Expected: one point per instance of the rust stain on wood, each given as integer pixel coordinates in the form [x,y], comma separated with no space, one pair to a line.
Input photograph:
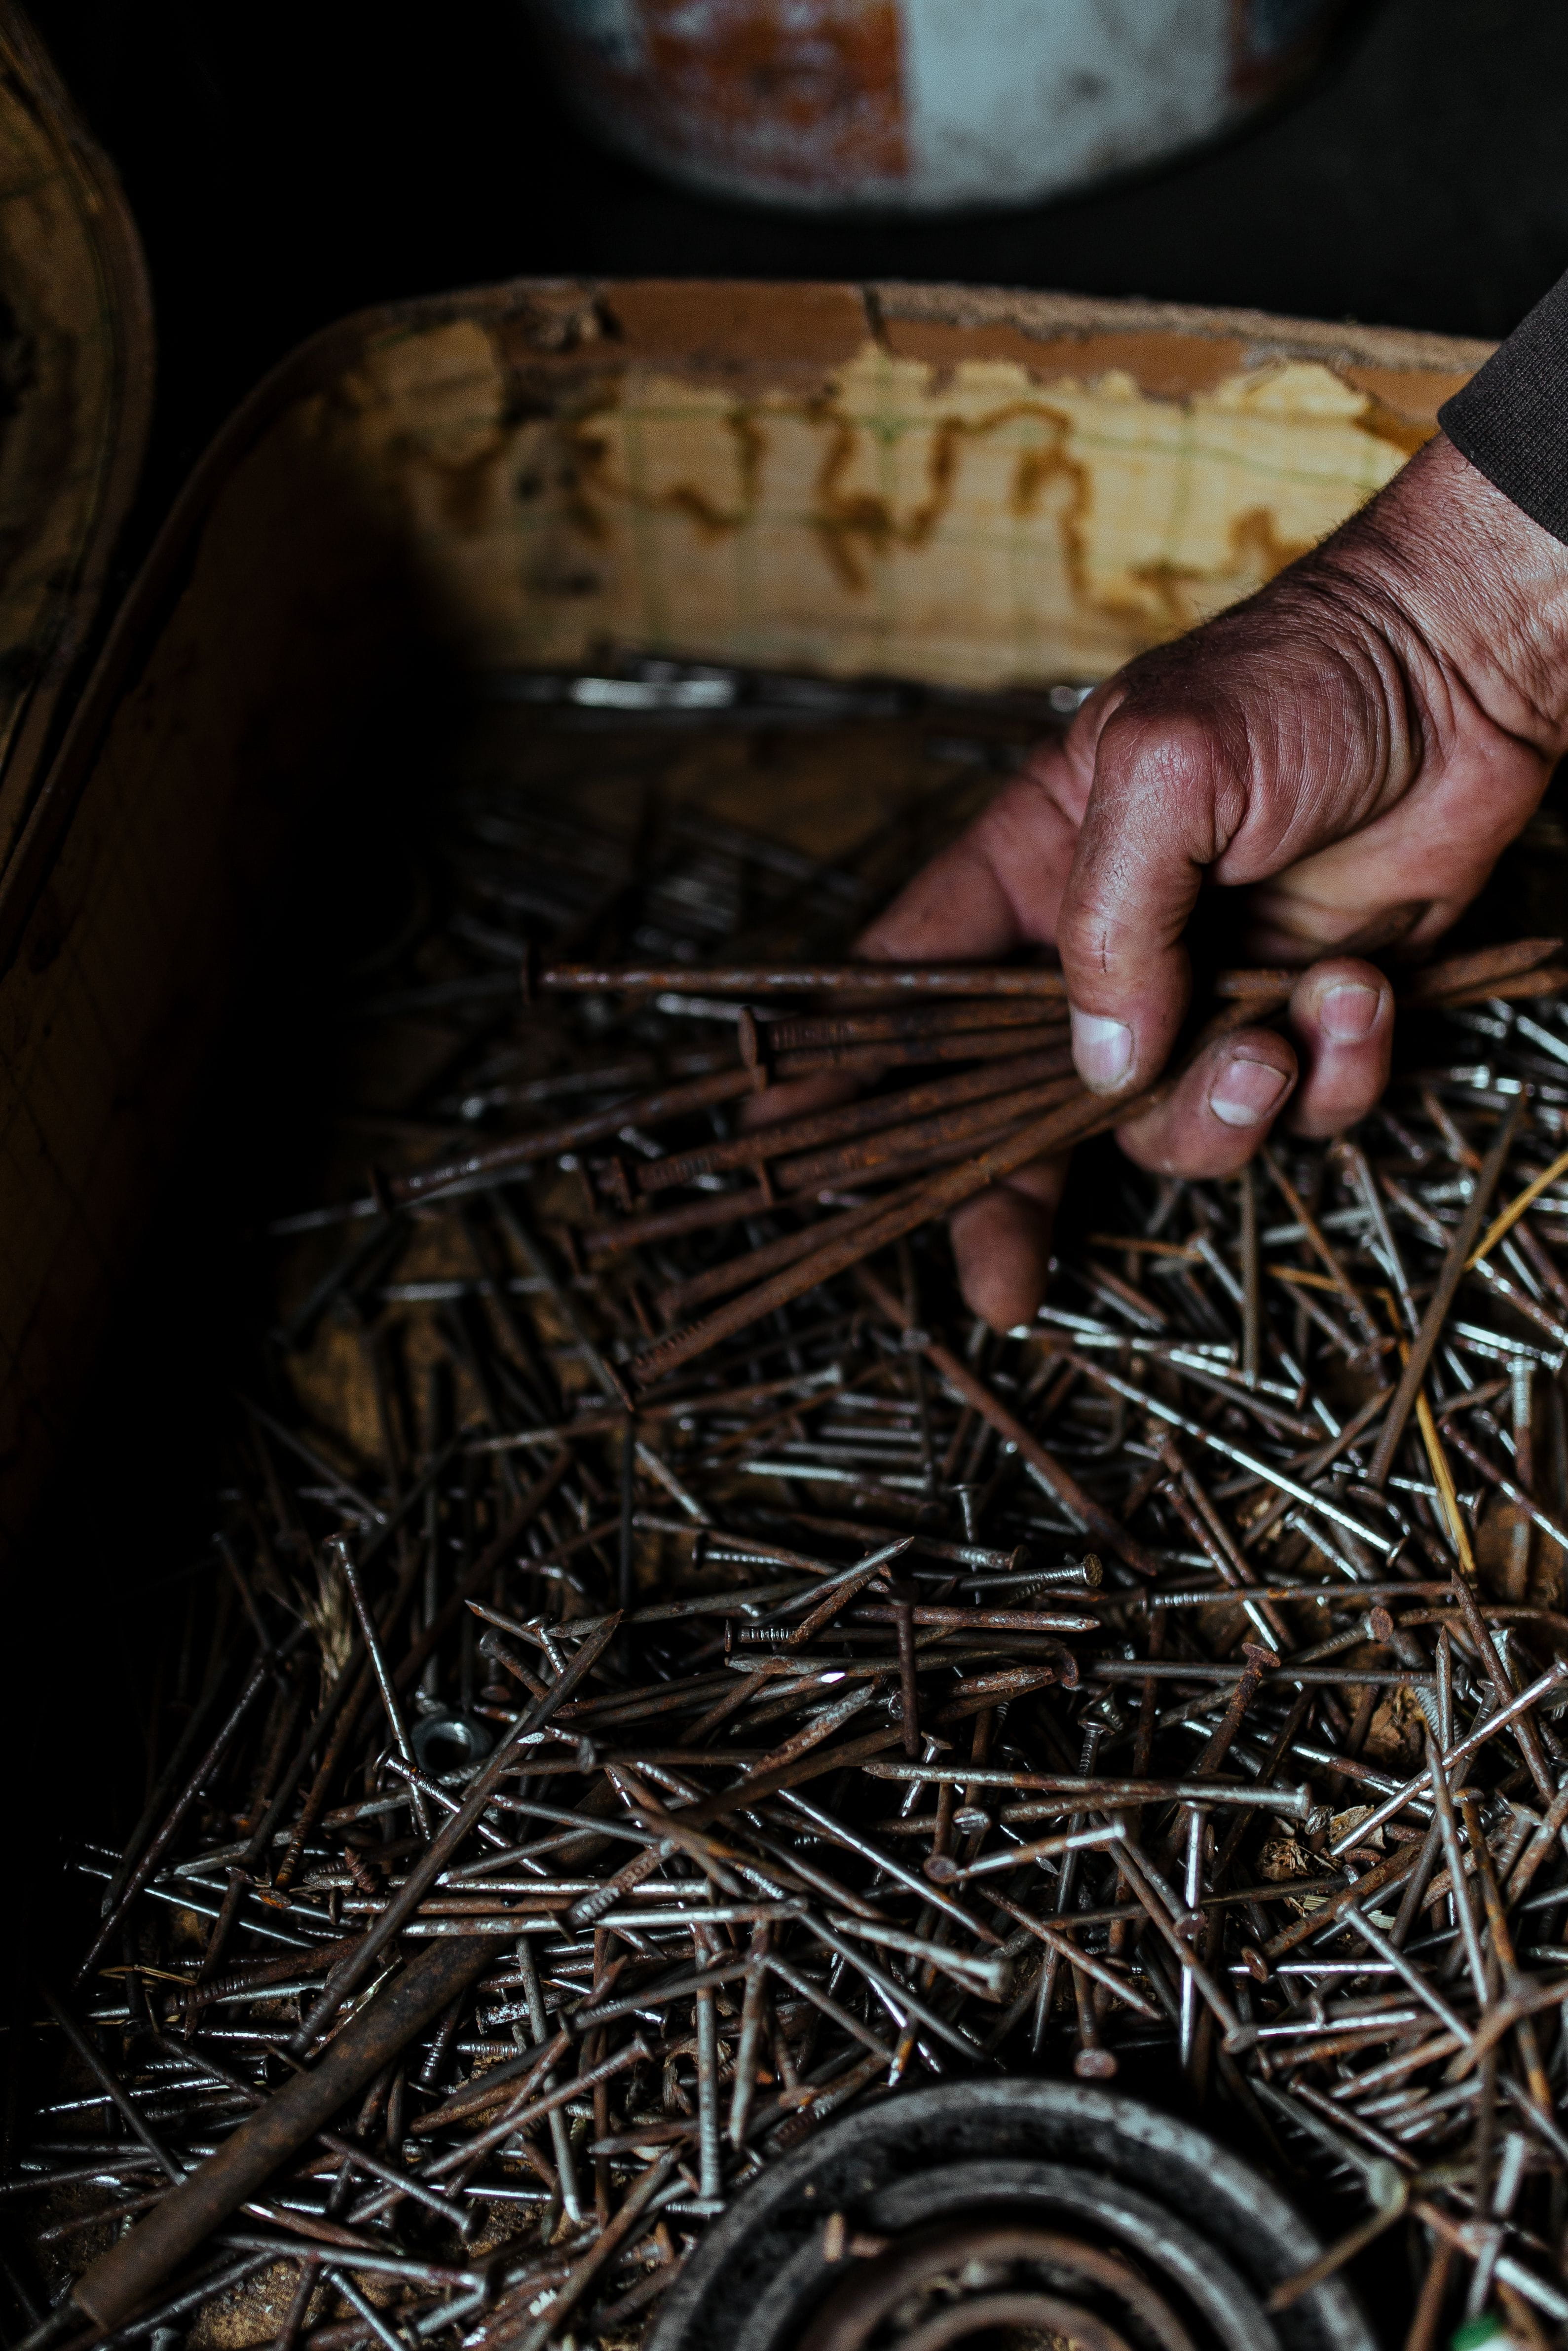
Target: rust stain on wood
[1257,549]
[856,526]
[1402,402]
[794,330]
[1162,366]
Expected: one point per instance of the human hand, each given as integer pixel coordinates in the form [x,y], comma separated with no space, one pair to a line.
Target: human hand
[1352,747]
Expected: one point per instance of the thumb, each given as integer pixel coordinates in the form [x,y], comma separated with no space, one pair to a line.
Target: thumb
[1169,791]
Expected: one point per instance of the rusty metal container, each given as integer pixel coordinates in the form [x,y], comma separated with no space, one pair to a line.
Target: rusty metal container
[919,105]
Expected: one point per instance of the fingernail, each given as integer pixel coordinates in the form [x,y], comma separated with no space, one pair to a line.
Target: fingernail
[1349,1011]
[1103,1049]
[1245,1092]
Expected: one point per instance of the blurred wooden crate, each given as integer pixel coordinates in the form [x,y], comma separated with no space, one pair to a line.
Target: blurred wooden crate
[76,393]
[974,488]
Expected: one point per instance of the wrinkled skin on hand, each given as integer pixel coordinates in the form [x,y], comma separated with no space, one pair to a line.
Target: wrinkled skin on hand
[1353,747]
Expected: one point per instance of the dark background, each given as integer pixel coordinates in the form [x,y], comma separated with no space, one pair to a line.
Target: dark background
[289,164]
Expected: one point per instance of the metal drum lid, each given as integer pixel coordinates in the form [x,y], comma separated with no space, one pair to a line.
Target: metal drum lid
[1006,2210]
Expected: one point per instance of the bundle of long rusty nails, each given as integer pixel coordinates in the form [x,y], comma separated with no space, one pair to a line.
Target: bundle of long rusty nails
[670,1675]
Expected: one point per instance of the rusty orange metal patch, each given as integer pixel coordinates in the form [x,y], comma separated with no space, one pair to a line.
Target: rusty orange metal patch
[801,94]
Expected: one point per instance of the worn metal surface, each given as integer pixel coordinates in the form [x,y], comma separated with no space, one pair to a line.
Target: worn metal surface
[1198,2238]
[919,105]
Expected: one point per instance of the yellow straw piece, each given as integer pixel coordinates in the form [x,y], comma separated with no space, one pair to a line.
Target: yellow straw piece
[1515,1209]
[1444,1481]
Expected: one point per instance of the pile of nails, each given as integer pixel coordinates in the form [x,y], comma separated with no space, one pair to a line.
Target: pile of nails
[638,1726]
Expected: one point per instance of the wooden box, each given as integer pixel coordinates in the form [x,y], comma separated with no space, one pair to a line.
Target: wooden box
[980,488]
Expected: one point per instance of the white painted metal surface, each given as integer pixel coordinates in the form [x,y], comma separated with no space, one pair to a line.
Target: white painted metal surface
[1008,100]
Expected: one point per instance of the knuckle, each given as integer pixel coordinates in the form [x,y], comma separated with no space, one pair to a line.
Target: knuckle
[1184,749]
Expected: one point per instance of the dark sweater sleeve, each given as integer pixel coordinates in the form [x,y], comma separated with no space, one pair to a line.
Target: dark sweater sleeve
[1511,418]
